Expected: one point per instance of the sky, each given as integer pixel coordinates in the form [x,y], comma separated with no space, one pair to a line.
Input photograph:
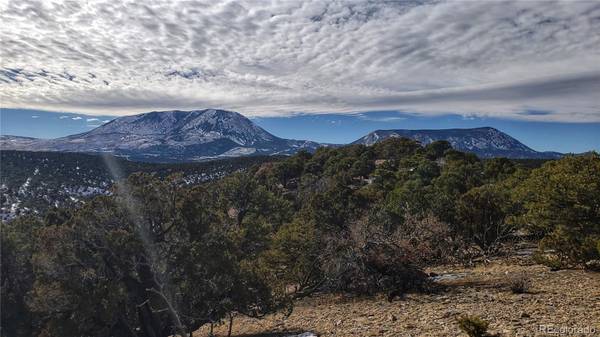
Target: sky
[502,62]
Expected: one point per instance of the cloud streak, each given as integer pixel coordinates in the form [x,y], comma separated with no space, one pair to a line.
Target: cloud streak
[501,59]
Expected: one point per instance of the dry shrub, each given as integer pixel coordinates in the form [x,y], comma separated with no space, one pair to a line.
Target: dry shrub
[368,258]
[473,326]
[425,240]
[520,284]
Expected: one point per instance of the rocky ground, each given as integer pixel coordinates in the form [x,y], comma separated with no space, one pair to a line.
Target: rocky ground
[567,299]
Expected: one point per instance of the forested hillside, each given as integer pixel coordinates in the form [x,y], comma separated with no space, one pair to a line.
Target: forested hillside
[159,257]
[33,182]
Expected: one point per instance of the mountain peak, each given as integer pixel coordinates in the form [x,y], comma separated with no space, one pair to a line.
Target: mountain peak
[173,135]
[177,135]
[484,141]
[192,125]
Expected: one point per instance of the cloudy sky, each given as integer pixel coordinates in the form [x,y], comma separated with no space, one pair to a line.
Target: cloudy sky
[523,60]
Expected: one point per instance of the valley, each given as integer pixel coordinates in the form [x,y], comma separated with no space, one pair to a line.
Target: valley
[34,182]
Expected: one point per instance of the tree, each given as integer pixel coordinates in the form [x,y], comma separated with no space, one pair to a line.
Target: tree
[16,250]
[481,216]
[90,276]
[562,206]
[137,264]
[411,198]
[293,257]
[497,169]
[396,148]
[437,149]
[460,173]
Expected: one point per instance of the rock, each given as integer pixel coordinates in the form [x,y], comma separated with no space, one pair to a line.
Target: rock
[593,265]
[449,313]
[304,334]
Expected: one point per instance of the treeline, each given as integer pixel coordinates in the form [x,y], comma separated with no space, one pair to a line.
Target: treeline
[158,258]
[71,168]
[37,181]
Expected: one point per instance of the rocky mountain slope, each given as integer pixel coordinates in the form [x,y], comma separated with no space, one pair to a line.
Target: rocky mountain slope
[168,136]
[485,142]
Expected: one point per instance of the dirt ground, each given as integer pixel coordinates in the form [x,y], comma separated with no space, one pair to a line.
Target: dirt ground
[566,299]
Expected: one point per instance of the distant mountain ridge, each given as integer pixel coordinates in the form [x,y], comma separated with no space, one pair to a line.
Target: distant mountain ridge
[179,136]
[485,142]
[170,136]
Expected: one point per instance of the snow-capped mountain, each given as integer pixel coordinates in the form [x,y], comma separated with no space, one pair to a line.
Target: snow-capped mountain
[173,136]
[485,142]
[170,136]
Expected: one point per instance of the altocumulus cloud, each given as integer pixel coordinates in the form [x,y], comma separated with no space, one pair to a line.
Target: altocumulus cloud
[501,59]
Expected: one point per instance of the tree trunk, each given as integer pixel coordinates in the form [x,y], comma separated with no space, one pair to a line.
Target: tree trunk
[172,312]
[147,322]
[230,325]
[123,328]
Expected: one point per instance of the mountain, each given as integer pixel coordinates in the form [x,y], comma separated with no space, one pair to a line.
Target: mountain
[177,136]
[170,136]
[485,142]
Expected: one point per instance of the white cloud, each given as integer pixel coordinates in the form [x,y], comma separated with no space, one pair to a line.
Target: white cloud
[35,117]
[63,117]
[92,119]
[270,58]
[76,118]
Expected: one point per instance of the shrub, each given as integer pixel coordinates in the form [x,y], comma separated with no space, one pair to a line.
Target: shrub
[375,256]
[561,206]
[520,285]
[482,213]
[292,256]
[473,326]
[548,260]
[570,246]
[369,269]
